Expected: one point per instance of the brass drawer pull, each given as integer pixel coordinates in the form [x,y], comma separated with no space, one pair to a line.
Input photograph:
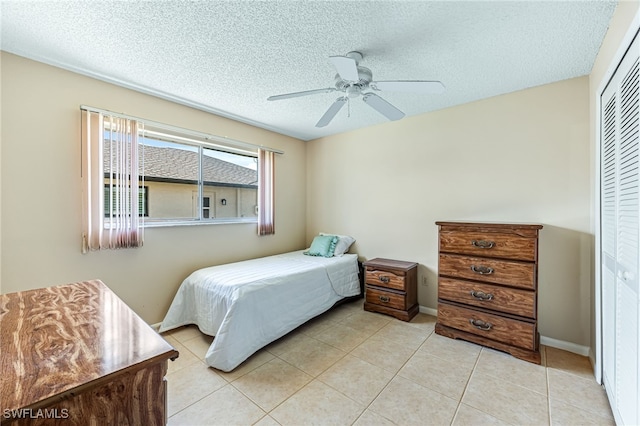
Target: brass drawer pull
[482,270]
[480,295]
[384,279]
[479,324]
[384,299]
[483,244]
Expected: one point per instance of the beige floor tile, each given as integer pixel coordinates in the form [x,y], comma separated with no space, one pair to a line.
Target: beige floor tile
[459,351]
[506,401]
[569,362]
[424,322]
[267,421]
[407,403]
[199,345]
[383,353]
[403,334]
[272,383]
[183,333]
[469,416]
[340,312]
[225,406]
[191,384]
[447,377]
[315,326]
[369,322]
[317,404]
[565,414]
[369,418]
[185,358]
[506,367]
[356,378]
[254,361]
[577,391]
[343,337]
[312,356]
[285,343]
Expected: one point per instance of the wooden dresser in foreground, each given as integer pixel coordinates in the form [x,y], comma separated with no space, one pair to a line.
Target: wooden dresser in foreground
[488,285]
[76,354]
[391,287]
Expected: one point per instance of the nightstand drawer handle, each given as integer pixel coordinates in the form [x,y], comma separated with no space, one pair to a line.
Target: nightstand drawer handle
[384,299]
[384,279]
[481,295]
[483,244]
[479,324]
[482,270]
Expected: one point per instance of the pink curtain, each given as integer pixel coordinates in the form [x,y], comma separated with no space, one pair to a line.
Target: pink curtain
[266,207]
[110,165]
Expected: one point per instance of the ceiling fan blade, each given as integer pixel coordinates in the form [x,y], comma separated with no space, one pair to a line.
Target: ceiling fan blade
[382,106]
[346,67]
[332,111]
[413,86]
[298,94]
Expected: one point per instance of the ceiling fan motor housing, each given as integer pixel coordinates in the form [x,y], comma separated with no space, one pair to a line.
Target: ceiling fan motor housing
[365,76]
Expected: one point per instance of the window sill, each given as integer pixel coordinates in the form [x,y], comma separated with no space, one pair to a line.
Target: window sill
[170,223]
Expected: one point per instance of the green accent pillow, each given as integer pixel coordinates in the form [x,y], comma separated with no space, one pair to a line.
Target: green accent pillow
[322,245]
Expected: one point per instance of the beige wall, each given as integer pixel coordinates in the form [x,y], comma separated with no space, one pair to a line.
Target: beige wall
[618,27]
[41,192]
[520,157]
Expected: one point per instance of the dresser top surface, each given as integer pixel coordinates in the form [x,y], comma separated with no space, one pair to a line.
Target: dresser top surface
[390,263]
[497,225]
[59,338]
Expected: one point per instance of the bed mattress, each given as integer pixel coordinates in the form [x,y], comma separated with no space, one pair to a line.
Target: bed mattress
[247,305]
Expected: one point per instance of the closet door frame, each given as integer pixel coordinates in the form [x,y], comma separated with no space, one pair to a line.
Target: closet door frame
[613,66]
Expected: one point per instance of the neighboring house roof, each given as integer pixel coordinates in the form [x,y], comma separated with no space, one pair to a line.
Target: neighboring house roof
[170,164]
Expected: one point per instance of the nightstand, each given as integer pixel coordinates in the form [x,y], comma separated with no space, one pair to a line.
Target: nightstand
[391,287]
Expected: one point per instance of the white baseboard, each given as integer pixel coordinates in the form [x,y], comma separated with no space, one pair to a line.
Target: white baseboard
[428,311]
[566,346]
[547,341]
[155,326]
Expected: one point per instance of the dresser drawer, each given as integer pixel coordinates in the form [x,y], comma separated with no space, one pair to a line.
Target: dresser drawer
[512,273]
[507,330]
[385,279]
[394,300]
[489,296]
[490,244]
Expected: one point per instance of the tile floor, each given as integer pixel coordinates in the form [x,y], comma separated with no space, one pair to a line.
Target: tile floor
[352,367]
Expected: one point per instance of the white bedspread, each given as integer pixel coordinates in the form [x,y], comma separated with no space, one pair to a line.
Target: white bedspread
[247,305]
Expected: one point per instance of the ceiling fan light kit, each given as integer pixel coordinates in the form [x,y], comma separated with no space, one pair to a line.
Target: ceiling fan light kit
[353,79]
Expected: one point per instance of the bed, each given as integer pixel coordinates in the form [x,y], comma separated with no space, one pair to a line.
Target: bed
[247,305]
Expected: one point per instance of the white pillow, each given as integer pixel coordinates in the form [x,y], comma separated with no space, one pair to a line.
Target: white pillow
[344,242]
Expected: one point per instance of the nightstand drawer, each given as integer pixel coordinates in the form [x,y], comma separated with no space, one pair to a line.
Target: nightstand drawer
[490,244]
[489,296]
[503,329]
[396,300]
[512,273]
[385,279]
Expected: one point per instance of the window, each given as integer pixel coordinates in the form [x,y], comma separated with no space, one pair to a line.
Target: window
[114,195]
[190,182]
[138,173]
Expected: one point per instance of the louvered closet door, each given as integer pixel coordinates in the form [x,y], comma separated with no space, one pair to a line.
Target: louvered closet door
[620,237]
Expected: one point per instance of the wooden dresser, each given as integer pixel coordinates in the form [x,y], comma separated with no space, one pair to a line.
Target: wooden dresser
[76,354]
[391,288]
[488,285]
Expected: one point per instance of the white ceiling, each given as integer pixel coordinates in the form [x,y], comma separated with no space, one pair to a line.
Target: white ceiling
[228,57]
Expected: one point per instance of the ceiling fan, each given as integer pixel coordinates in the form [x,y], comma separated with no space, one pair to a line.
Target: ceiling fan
[353,80]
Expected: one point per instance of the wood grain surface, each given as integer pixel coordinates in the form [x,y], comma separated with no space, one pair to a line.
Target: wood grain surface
[62,341]
[492,244]
[503,299]
[511,273]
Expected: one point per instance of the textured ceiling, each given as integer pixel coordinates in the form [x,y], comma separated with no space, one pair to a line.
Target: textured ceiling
[228,57]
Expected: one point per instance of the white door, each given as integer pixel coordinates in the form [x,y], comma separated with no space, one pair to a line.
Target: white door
[620,237]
